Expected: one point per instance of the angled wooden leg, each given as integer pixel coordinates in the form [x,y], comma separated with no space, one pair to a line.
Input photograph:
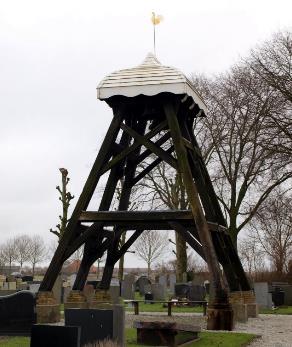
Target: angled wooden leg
[130,170]
[83,201]
[221,314]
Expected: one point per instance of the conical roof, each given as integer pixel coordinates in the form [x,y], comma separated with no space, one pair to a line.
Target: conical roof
[149,78]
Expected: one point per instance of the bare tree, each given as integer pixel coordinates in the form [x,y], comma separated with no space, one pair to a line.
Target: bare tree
[272,228]
[65,198]
[22,249]
[251,254]
[272,63]
[38,252]
[151,246]
[243,168]
[9,252]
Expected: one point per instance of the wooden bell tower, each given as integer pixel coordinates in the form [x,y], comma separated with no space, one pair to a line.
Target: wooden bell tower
[154,108]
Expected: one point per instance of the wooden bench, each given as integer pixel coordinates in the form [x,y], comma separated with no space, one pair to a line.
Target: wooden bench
[169,304]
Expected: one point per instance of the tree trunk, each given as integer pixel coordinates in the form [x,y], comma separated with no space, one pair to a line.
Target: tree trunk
[181,257]
[148,269]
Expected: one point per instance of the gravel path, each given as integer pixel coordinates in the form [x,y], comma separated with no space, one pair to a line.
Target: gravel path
[275,330]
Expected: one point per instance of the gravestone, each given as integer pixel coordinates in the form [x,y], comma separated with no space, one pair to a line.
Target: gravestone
[55,335]
[27,278]
[115,293]
[207,286]
[181,290]
[147,288]
[185,277]
[12,285]
[196,293]
[34,287]
[172,281]
[127,290]
[287,295]
[158,291]
[98,324]
[72,279]
[141,283]
[163,280]
[263,297]
[17,313]
[57,289]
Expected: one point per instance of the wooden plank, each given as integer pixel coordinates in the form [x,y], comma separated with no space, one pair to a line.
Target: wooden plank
[134,216]
[151,146]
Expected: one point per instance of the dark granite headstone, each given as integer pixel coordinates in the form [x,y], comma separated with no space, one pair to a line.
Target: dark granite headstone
[196,293]
[96,325]
[181,290]
[141,283]
[55,335]
[27,278]
[17,313]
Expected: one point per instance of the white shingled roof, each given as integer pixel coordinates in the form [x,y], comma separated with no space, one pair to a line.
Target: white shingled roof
[149,78]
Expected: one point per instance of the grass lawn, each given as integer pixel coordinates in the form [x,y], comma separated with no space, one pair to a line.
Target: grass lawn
[279,310]
[208,339]
[158,307]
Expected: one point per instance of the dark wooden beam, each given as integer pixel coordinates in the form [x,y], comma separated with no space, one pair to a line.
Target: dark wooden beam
[151,146]
[122,155]
[128,244]
[150,167]
[197,247]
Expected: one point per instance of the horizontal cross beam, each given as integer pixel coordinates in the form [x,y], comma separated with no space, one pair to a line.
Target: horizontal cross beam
[149,219]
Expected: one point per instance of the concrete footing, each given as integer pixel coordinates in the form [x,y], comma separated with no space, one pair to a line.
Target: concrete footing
[47,309]
[101,299]
[240,312]
[76,299]
[220,317]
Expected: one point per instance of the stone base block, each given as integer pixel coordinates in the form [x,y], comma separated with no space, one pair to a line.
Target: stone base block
[48,313]
[101,300]
[47,309]
[220,318]
[76,299]
[252,310]
[240,312]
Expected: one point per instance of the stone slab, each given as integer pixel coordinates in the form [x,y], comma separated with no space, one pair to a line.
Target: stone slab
[98,324]
[252,310]
[55,335]
[240,312]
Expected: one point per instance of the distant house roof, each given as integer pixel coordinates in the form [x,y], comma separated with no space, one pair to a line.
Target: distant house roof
[149,78]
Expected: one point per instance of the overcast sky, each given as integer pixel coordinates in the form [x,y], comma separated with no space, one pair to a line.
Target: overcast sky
[54,53]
